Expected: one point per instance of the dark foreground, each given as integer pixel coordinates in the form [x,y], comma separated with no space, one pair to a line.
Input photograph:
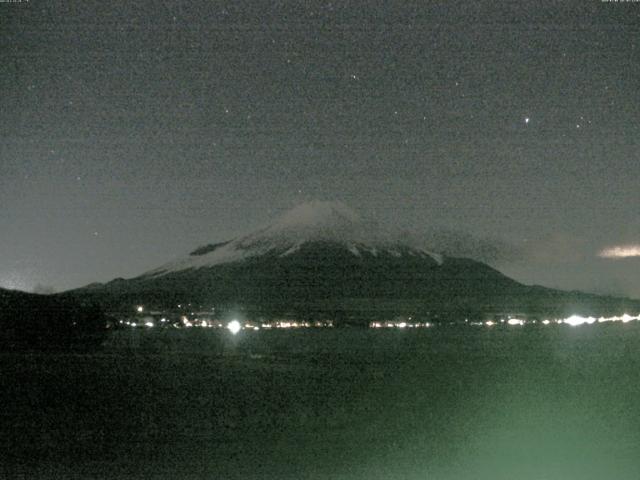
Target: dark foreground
[448,403]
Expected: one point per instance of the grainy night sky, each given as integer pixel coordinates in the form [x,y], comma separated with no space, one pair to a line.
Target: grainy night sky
[132,132]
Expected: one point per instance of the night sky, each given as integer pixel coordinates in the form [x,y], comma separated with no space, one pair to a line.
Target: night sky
[132,132]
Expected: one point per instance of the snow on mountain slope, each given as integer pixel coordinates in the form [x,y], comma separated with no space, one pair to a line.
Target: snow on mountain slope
[316,221]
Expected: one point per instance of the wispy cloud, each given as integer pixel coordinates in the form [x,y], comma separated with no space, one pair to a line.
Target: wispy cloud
[455,243]
[621,251]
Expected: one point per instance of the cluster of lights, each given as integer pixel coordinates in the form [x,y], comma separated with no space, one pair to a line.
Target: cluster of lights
[234,326]
[573,320]
[294,324]
[515,321]
[400,325]
[186,322]
[577,320]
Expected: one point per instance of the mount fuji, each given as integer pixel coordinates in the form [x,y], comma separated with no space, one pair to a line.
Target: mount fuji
[324,259]
[314,223]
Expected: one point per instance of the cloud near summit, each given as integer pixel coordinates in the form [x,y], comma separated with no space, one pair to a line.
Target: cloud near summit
[456,243]
[621,251]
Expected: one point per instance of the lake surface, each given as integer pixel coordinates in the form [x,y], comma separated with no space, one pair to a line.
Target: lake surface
[533,402]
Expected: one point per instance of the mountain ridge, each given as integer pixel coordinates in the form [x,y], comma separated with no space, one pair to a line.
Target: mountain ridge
[322,259]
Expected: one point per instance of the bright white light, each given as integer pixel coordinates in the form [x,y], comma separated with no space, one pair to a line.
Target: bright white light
[576,320]
[526,120]
[402,325]
[622,251]
[546,322]
[234,326]
[489,323]
[627,318]
[149,324]
[515,321]
[140,309]
[624,318]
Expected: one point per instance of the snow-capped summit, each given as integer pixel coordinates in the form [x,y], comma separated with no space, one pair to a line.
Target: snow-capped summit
[322,221]
[316,221]
[318,218]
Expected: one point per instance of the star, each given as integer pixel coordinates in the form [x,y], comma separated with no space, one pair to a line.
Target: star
[526,120]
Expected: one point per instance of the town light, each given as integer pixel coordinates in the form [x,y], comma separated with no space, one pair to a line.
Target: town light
[234,326]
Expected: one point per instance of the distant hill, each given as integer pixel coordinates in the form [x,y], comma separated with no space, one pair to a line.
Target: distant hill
[322,259]
[48,321]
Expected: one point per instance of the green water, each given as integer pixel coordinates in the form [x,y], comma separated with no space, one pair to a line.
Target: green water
[446,403]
